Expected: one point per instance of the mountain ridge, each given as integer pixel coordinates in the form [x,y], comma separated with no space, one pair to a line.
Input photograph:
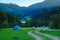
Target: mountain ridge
[31,10]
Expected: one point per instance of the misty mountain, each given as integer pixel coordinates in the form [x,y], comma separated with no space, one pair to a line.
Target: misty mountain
[11,8]
[32,10]
[39,8]
[43,7]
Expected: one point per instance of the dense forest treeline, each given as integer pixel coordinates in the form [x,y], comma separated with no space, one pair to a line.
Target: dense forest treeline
[50,18]
[7,20]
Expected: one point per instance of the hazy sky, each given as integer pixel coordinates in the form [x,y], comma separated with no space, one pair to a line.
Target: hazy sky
[25,3]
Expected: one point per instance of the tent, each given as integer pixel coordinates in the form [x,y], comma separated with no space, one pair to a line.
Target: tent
[16,28]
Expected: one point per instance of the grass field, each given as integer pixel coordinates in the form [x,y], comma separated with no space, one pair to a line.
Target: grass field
[10,34]
[54,33]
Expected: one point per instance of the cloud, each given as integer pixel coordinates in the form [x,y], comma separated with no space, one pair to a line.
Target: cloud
[25,3]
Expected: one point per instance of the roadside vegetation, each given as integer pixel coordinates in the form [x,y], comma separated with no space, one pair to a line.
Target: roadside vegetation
[54,33]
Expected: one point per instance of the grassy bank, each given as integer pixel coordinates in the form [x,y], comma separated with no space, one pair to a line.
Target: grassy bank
[10,34]
[54,33]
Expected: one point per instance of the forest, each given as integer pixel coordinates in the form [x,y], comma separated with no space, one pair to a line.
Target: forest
[50,18]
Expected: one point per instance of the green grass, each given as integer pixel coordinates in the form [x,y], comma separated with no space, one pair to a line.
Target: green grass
[10,34]
[42,36]
[54,33]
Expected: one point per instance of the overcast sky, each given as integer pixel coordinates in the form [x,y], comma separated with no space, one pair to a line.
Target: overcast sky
[25,3]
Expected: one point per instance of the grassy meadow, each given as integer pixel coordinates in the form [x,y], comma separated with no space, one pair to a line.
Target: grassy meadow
[54,33]
[10,34]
